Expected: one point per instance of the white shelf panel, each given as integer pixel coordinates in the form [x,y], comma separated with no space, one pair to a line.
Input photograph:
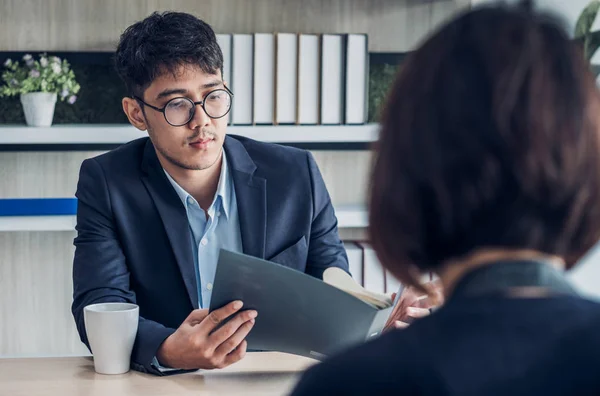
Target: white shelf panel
[37,223]
[118,134]
[348,217]
[352,216]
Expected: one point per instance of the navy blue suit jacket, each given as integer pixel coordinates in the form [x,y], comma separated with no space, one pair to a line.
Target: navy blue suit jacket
[133,239]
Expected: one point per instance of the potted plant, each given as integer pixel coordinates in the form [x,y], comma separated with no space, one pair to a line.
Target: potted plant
[39,83]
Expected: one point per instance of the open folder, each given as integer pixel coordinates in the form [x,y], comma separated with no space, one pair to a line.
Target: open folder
[298,313]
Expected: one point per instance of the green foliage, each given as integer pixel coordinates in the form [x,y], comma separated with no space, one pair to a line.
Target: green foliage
[587,18]
[583,29]
[98,102]
[381,78]
[46,74]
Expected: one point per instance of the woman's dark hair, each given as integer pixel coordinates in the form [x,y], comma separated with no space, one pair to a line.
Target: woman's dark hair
[489,139]
[162,43]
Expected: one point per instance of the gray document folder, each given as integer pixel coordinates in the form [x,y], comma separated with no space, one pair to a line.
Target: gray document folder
[297,313]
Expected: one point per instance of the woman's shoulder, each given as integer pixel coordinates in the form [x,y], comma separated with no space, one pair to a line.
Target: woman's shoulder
[585,320]
[385,363]
[401,360]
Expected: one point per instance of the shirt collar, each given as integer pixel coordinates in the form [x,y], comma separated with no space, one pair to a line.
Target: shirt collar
[223,188]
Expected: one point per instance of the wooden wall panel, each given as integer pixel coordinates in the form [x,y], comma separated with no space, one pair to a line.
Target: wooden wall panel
[55,174]
[40,174]
[70,25]
[345,174]
[35,295]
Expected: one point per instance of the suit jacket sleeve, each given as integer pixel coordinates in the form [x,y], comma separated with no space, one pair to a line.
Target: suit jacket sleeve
[325,247]
[100,272]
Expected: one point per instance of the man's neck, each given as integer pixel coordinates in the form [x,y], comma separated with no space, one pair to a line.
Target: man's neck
[200,184]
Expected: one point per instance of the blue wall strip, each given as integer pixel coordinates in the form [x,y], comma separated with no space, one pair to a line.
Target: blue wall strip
[38,206]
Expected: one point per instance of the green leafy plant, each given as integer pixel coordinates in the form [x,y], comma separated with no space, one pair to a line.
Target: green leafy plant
[380,81]
[583,30]
[46,74]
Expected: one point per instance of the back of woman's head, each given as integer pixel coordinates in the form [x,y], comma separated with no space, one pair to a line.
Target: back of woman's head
[489,139]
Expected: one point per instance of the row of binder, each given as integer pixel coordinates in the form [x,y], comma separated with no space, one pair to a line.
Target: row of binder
[303,79]
[366,269]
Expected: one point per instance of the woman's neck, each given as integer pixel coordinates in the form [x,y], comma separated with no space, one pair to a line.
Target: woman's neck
[452,271]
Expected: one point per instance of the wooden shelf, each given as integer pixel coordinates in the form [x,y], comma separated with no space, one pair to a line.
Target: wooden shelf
[100,137]
[349,216]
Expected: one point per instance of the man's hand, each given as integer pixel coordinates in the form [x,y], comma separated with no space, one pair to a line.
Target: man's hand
[197,345]
[413,305]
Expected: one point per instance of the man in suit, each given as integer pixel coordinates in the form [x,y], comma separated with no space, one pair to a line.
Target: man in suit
[154,213]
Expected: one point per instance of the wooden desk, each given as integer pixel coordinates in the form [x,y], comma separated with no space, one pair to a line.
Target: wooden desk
[261,373]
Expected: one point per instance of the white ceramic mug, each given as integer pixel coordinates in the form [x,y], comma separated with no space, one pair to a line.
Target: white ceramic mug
[111,329]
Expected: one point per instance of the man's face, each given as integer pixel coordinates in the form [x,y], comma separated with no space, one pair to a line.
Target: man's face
[196,145]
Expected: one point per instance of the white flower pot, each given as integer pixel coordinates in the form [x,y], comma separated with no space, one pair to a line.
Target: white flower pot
[38,108]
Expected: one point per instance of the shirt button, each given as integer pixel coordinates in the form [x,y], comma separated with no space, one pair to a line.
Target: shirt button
[209,286]
[204,241]
[190,200]
[218,214]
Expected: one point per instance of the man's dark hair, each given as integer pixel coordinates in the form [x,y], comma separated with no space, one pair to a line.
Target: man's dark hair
[489,139]
[162,43]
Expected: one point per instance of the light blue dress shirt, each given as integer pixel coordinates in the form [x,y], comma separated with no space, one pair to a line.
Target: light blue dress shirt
[219,230]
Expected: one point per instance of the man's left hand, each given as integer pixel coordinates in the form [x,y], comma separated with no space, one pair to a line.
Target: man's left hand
[413,305]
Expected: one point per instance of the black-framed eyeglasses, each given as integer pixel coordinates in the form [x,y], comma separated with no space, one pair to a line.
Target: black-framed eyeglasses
[180,111]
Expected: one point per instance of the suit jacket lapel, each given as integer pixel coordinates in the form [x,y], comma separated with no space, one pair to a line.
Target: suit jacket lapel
[174,218]
[251,197]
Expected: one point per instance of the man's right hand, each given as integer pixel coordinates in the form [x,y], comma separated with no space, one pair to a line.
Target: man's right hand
[197,345]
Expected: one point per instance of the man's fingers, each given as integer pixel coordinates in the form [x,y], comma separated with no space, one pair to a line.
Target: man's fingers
[196,316]
[236,355]
[415,312]
[397,312]
[214,318]
[231,343]
[433,299]
[230,328]
[411,296]
[426,302]
[396,324]
[413,304]
[436,293]
[400,325]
